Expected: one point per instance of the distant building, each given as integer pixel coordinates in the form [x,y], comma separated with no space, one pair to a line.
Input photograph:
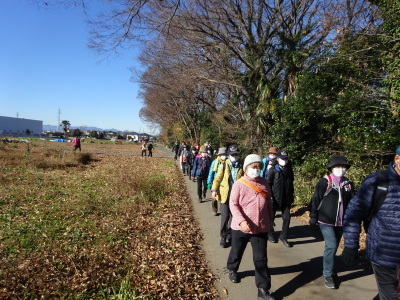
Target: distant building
[19,127]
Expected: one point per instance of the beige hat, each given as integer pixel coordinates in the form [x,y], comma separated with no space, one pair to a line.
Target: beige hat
[222,151]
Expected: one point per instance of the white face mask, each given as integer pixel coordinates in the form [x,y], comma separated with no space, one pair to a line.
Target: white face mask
[272,156]
[233,158]
[282,162]
[223,157]
[253,173]
[339,172]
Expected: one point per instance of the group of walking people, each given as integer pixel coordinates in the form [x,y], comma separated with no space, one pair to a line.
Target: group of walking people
[250,192]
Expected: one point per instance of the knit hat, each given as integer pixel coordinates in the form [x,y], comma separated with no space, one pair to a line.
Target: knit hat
[233,149]
[272,150]
[251,158]
[203,150]
[283,154]
[398,150]
[338,160]
[222,151]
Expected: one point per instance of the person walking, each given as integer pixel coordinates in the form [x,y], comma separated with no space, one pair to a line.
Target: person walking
[143,148]
[150,148]
[184,160]
[76,142]
[252,216]
[201,168]
[175,149]
[221,159]
[226,175]
[280,179]
[328,204]
[269,162]
[383,238]
[192,157]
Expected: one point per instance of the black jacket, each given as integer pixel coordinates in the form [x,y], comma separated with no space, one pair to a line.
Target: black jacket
[281,180]
[325,208]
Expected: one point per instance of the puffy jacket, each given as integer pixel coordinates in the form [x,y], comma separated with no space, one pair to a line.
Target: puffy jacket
[248,205]
[223,180]
[325,208]
[281,183]
[383,238]
[201,167]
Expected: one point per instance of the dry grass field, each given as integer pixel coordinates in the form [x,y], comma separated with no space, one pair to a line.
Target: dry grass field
[96,226]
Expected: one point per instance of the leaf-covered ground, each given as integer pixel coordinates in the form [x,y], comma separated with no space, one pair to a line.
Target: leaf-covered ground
[98,226]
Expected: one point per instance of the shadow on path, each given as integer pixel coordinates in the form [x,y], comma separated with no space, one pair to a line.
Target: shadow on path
[310,271]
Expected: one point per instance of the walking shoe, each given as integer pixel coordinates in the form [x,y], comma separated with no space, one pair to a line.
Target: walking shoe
[233,276]
[215,213]
[263,294]
[286,243]
[329,282]
[200,199]
[271,238]
[222,243]
[204,195]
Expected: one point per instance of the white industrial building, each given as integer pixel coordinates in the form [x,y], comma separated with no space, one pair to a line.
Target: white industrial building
[19,127]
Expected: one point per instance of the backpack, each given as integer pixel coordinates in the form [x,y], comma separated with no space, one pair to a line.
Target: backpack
[185,155]
[379,196]
[327,191]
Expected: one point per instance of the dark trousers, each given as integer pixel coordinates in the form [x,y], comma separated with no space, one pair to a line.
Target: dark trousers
[150,153]
[201,186]
[226,219]
[332,236]
[386,279]
[259,244]
[185,168]
[285,222]
[214,205]
[143,152]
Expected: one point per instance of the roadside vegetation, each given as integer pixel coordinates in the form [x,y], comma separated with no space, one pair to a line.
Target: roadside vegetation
[96,226]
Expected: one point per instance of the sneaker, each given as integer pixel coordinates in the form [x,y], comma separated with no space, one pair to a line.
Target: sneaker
[271,239]
[286,243]
[200,200]
[222,243]
[204,195]
[233,276]
[215,213]
[329,282]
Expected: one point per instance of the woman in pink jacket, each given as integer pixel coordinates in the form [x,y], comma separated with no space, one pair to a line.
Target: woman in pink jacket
[251,207]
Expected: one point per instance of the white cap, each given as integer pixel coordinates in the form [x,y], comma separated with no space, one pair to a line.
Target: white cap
[251,158]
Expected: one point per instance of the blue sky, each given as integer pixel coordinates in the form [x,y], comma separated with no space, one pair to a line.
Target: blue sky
[46,66]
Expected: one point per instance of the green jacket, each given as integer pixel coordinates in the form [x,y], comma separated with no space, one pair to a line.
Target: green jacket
[223,180]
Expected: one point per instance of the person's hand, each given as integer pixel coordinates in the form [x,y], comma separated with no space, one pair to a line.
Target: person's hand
[209,186]
[244,226]
[214,195]
[349,256]
[312,222]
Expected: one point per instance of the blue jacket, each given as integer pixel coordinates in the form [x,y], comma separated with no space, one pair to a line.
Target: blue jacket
[201,167]
[383,238]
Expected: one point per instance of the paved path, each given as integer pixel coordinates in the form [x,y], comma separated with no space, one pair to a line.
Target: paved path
[296,272]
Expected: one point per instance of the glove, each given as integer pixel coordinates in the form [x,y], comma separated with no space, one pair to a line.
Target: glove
[313,222]
[209,186]
[349,256]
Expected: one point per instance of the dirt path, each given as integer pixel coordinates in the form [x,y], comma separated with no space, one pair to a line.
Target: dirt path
[296,272]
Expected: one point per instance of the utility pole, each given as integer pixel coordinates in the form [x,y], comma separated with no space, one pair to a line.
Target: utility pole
[58,125]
